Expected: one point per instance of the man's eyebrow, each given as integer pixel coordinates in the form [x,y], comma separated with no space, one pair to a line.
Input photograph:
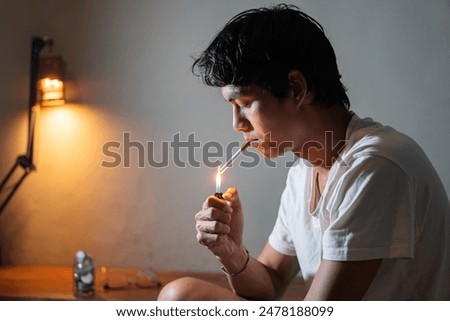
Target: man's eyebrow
[237,92]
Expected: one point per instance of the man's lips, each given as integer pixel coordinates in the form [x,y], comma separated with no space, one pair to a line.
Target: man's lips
[250,139]
[253,142]
[256,143]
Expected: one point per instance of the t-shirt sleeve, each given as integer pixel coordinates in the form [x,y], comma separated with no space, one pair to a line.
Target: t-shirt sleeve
[370,215]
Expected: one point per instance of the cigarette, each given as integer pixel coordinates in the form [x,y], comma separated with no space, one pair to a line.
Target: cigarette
[225,166]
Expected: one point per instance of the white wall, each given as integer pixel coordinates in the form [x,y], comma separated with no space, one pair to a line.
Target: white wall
[129,71]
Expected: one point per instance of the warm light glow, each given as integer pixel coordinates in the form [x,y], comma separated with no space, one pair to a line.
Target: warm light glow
[51,92]
[70,143]
[218,182]
[62,121]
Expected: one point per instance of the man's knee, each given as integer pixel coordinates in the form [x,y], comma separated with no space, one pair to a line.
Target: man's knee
[184,289]
[192,289]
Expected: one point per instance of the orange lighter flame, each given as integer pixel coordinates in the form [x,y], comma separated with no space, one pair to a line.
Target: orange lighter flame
[218,181]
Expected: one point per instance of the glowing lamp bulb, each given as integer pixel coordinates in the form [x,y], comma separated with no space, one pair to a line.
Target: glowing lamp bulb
[52,92]
[51,86]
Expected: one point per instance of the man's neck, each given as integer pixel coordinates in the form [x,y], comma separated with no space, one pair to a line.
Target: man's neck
[328,126]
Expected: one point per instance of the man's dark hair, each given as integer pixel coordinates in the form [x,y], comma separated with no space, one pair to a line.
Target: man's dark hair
[261,46]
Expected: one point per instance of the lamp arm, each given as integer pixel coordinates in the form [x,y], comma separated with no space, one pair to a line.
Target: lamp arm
[26,161]
[37,44]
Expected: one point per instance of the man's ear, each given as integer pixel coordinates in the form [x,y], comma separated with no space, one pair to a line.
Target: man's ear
[298,85]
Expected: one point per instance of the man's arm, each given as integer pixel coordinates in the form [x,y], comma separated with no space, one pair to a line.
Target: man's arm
[337,280]
[265,278]
[281,268]
[220,227]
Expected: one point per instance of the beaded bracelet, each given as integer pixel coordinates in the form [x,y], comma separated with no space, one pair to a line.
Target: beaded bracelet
[241,270]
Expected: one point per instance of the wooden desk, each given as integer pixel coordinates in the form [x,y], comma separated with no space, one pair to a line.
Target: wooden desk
[56,283]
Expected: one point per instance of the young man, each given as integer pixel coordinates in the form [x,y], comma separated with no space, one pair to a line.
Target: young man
[363,216]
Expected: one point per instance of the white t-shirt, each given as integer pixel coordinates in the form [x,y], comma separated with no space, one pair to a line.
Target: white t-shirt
[383,199]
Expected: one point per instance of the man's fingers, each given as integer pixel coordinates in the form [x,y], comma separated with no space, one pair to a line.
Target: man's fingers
[212,227]
[208,240]
[213,214]
[212,221]
[231,194]
[220,204]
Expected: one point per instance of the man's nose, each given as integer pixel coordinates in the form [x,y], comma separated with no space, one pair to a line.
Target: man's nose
[240,123]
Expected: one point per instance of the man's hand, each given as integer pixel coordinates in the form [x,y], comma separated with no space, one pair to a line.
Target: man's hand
[220,224]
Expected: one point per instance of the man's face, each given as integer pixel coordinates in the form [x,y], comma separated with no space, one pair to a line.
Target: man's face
[262,118]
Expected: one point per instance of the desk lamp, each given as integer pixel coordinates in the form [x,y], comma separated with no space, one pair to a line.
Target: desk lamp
[46,75]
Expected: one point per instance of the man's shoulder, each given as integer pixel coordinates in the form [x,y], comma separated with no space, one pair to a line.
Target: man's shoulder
[372,139]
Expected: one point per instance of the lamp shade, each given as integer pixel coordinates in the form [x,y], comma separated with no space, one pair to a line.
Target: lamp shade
[51,86]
